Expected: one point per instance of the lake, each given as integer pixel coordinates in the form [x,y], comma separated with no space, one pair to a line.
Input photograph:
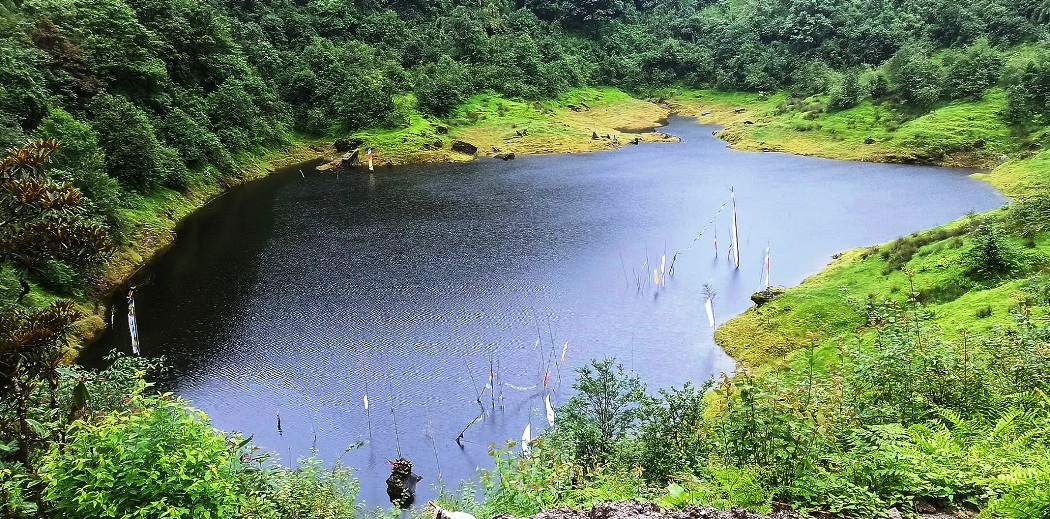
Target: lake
[299,293]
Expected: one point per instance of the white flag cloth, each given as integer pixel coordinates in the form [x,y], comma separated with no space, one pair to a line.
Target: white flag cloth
[550,411]
[767,267]
[526,437]
[133,325]
[366,402]
[710,313]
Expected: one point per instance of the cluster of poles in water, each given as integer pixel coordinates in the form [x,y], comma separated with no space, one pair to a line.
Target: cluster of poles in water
[660,275]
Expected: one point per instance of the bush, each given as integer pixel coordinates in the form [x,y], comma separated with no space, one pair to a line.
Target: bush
[605,409]
[310,491]
[992,256]
[166,451]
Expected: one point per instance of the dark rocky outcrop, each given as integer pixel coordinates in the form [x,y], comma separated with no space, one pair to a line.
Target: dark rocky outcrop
[345,145]
[464,147]
[764,296]
[504,156]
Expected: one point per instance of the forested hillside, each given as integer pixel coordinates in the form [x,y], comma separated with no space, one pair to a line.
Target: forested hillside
[156,92]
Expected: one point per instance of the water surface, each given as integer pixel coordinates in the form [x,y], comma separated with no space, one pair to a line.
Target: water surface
[297,294]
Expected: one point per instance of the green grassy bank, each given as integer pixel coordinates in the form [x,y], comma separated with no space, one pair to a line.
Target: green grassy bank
[930,266]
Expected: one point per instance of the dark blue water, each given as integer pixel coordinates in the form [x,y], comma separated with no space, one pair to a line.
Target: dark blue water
[298,293]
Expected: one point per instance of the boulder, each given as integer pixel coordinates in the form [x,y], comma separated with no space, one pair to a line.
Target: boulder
[464,147]
[345,145]
[764,296]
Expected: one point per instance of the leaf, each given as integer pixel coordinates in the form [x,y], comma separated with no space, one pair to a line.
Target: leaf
[37,427]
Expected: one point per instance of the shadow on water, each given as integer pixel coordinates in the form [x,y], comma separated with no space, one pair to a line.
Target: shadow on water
[301,293]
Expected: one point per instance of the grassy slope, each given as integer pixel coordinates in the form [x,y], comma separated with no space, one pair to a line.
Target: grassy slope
[828,305]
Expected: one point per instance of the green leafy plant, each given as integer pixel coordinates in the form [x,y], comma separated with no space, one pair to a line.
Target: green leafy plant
[177,463]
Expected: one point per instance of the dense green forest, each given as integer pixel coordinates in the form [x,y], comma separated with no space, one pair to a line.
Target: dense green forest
[152,93]
[107,106]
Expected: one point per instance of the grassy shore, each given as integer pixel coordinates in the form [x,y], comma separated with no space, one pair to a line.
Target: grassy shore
[928,266]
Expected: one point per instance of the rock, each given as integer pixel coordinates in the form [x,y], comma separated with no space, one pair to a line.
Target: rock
[869,140]
[739,110]
[762,297]
[924,507]
[749,123]
[979,143]
[464,147]
[345,145]
[442,129]
[508,156]
[594,135]
[893,513]
[705,112]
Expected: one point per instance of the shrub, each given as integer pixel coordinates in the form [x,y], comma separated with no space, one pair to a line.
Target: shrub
[166,451]
[993,255]
[605,409]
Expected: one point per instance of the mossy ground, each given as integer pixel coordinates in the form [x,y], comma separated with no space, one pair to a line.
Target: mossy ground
[968,134]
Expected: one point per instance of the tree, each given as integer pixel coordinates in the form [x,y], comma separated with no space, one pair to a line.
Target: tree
[973,70]
[40,222]
[71,75]
[607,406]
[918,79]
[134,155]
[992,255]
[441,87]
[81,162]
[672,437]
[23,96]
